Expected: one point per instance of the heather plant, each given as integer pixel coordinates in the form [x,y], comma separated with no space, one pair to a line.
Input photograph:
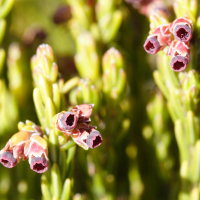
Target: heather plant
[94,114]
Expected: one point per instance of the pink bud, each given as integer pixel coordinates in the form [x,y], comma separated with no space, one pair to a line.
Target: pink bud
[182,29]
[94,139]
[7,160]
[158,39]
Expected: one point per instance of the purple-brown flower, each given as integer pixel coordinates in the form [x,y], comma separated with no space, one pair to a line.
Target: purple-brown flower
[182,29]
[158,39]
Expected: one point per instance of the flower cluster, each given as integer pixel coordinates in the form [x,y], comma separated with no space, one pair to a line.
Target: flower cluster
[179,49]
[26,144]
[75,123]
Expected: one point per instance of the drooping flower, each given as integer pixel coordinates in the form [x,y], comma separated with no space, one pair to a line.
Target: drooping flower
[75,123]
[13,151]
[182,29]
[36,150]
[179,51]
[87,138]
[158,39]
[94,139]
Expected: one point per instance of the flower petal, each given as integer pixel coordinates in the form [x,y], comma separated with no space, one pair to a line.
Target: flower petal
[39,164]
[94,139]
[178,63]
[152,45]
[7,160]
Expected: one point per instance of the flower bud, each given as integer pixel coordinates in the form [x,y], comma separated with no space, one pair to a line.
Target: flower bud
[65,121]
[158,39]
[182,29]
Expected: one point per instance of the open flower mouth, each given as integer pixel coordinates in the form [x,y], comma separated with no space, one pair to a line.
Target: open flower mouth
[39,164]
[69,120]
[7,160]
[183,33]
[94,139]
[152,45]
[179,63]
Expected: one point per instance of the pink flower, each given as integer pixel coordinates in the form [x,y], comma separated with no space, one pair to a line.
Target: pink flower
[13,151]
[94,139]
[182,29]
[36,150]
[179,51]
[87,138]
[66,121]
[158,39]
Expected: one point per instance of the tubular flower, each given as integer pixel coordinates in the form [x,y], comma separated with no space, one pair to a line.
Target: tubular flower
[87,138]
[66,121]
[182,29]
[78,127]
[179,51]
[13,151]
[158,39]
[36,150]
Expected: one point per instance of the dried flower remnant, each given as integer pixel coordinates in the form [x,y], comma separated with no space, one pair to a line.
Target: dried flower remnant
[182,29]
[37,153]
[158,39]
[179,51]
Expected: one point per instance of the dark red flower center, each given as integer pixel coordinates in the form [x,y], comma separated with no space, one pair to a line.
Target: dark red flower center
[178,65]
[39,164]
[7,160]
[97,141]
[182,33]
[38,167]
[70,120]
